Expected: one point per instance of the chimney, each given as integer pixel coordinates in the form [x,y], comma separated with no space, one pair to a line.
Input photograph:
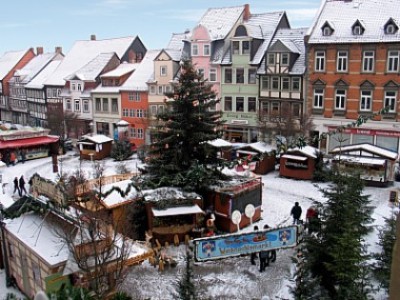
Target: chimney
[39,50]
[58,50]
[246,15]
[93,37]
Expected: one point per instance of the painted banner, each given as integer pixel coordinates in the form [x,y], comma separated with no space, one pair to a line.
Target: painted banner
[224,246]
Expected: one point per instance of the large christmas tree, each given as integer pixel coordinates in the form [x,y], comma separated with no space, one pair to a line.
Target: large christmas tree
[179,154]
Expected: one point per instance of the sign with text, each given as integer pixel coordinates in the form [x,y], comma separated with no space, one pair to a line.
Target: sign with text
[224,246]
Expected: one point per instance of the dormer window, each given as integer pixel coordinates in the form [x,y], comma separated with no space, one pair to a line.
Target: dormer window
[327,29]
[357,28]
[391,27]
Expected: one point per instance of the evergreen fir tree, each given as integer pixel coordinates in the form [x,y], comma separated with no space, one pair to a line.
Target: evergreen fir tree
[387,239]
[121,150]
[186,289]
[179,154]
[335,258]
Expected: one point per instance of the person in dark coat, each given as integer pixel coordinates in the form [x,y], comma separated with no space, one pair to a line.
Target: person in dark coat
[296,213]
[264,261]
[253,256]
[272,253]
[16,186]
[22,185]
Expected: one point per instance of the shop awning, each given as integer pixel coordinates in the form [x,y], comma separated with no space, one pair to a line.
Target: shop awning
[35,141]
[175,211]
[295,157]
[247,152]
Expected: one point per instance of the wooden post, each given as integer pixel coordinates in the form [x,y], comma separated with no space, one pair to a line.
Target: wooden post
[176,240]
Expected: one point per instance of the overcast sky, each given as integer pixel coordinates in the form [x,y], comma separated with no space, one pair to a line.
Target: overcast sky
[52,23]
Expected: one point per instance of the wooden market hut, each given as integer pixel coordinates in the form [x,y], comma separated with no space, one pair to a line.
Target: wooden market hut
[95,147]
[376,165]
[173,213]
[224,148]
[299,163]
[265,157]
[233,195]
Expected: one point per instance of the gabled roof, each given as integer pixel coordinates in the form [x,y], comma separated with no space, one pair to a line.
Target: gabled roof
[308,151]
[97,139]
[121,70]
[138,79]
[82,52]
[38,81]
[365,150]
[9,60]
[372,15]
[92,69]
[33,67]
[219,21]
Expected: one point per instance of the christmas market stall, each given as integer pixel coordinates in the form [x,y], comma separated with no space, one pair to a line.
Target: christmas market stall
[238,194]
[376,165]
[172,213]
[95,147]
[299,163]
[258,156]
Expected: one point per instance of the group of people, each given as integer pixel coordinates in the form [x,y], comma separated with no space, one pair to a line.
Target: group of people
[11,157]
[312,217]
[265,256]
[19,185]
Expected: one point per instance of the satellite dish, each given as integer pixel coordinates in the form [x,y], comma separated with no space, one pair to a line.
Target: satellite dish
[236,218]
[249,211]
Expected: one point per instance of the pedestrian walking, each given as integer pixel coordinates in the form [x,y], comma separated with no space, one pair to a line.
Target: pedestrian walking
[23,155]
[13,158]
[253,256]
[16,186]
[22,185]
[264,262]
[312,220]
[296,213]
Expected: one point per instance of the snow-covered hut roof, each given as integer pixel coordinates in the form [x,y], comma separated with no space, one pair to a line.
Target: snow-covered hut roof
[97,138]
[83,52]
[168,193]
[9,60]
[115,198]
[219,143]
[38,235]
[366,150]
[138,79]
[175,211]
[360,160]
[372,14]
[308,151]
[260,147]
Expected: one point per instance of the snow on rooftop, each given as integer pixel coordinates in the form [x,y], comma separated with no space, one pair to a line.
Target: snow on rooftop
[219,143]
[121,70]
[262,147]
[344,14]
[97,138]
[175,211]
[360,160]
[368,148]
[306,150]
[38,234]
[83,52]
[9,60]
[138,79]
[33,67]
[37,82]
[115,198]
[168,193]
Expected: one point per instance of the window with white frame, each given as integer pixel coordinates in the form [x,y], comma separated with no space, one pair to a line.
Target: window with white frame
[160,109]
[245,47]
[295,84]
[340,99]
[163,71]
[79,87]
[228,103]
[271,59]
[239,104]
[275,83]
[285,83]
[228,75]
[132,132]
[327,31]
[342,61]
[153,110]
[239,75]
[366,100]
[390,29]
[357,30]
[73,87]
[285,59]
[105,104]
[195,50]
[368,61]
[265,83]
[252,79]
[140,134]
[206,50]
[131,113]
[77,105]
[251,104]
[393,61]
[318,98]
[390,100]
[139,113]
[86,105]
[212,75]
[98,104]
[160,90]
[320,61]
[125,112]
[153,89]
[137,96]
[114,105]
[131,96]
[68,104]
[236,47]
